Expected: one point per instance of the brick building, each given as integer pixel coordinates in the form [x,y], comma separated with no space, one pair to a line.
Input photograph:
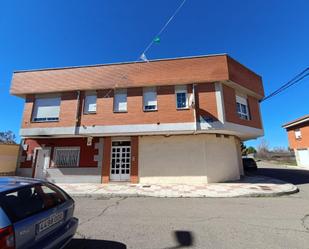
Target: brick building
[298,135]
[164,121]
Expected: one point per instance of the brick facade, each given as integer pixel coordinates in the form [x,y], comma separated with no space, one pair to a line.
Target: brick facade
[166,113]
[176,71]
[301,143]
[107,159]
[206,105]
[231,109]
[87,153]
[67,116]
[201,75]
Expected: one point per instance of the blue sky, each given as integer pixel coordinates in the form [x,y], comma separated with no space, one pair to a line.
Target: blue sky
[270,37]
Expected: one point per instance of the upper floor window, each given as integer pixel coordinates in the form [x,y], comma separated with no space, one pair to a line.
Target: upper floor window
[181,97]
[46,109]
[90,102]
[150,99]
[120,100]
[242,108]
[297,134]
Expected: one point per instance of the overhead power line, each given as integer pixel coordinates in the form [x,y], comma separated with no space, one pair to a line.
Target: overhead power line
[157,36]
[143,55]
[303,74]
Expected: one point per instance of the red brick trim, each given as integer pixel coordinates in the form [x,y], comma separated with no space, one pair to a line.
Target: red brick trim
[107,145]
[134,160]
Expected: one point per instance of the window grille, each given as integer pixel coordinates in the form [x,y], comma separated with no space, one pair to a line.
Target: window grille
[66,157]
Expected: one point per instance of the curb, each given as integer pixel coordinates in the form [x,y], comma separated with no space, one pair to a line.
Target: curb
[292,190]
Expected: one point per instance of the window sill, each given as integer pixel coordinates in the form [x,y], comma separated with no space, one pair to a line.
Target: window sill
[67,167]
[120,111]
[244,119]
[45,121]
[182,109]
[151,110]
[89,113]
[72,167]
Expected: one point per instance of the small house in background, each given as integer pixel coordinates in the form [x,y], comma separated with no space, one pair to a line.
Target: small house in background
[8,159]
[298,135]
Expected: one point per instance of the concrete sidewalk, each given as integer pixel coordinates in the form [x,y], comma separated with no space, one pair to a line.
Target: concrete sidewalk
[250,186]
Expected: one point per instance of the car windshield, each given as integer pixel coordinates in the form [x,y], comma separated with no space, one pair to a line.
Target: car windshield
[24,202]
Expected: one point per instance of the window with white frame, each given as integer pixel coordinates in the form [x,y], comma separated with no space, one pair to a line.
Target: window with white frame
[297,134]
[46,109]
[120,100]
[150,99]
[90,102]
[66,156]
[181,97]
[242,107]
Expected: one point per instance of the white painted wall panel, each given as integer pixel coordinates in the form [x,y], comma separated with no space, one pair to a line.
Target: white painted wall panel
[188,159]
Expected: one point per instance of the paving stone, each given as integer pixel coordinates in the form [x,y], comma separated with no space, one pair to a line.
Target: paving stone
[248,186]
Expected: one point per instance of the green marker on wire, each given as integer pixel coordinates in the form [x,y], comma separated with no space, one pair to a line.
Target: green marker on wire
[157,39]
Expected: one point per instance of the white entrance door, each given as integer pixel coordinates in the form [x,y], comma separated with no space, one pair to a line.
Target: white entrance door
[120,161]
[42,162]
[303,156]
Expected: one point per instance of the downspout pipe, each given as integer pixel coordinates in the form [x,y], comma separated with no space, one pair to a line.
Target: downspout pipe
[194,108]
[77,118]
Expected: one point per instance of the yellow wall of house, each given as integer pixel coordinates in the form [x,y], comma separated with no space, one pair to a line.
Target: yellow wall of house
[8,157]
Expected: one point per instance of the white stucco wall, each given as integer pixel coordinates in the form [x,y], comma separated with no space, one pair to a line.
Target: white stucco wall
[74,175]
[298,161]
[26,172]
[221,159]
[67,175]
[202,158]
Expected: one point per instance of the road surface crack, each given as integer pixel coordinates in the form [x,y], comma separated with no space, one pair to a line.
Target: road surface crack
[104,210]
[305,222]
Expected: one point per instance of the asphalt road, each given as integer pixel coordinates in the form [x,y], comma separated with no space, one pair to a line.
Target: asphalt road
[157,223]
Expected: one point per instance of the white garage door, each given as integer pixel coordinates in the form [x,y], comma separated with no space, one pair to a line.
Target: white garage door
[303,157]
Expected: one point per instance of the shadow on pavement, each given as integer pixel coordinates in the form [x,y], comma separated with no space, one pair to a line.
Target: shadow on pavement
[294,176]
[183,239]
[94,244]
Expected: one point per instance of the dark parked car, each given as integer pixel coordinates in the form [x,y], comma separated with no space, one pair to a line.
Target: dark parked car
[249,164]
[34,214]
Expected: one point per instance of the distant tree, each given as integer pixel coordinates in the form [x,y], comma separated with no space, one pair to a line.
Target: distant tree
[263,150]
[7,137]
[243,148]
[280,150]
[251,150]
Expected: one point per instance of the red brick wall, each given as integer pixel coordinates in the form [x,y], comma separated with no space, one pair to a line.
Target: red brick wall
[299,143]
[206,105]
[231,115]
[244,76]
[106,159]
[86,152]
[67,116]
[163,72]
[167,112]
[134,159]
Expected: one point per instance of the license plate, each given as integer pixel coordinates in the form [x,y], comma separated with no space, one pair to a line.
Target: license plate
[50,221]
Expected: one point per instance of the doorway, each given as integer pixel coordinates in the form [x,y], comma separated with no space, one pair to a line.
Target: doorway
[42,162]
[120,161]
